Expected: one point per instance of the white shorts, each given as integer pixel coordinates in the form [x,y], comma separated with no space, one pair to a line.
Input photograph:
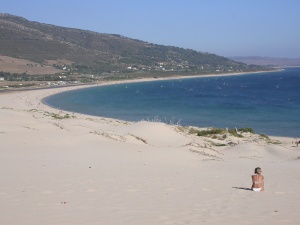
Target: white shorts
[256,189]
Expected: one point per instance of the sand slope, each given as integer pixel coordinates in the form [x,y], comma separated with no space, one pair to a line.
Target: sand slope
[90,170]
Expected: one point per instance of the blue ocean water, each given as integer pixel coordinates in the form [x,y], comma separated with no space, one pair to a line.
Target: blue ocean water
[267,102]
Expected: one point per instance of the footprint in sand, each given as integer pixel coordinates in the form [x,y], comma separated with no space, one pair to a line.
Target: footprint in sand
[47,192]
[91,190]
[131,190]
[204,189]
[279,192]
[170,189]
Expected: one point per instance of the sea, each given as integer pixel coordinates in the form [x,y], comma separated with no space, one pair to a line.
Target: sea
[267,102]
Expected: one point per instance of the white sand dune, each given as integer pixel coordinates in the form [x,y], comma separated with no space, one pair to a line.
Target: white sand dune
[92,170]
[263,152]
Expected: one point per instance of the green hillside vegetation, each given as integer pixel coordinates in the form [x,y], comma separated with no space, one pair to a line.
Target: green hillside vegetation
[109,55]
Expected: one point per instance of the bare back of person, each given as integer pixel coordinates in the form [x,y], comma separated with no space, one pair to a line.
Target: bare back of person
[257,180]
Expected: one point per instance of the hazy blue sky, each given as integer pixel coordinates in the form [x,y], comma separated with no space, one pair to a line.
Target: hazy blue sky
[223,27]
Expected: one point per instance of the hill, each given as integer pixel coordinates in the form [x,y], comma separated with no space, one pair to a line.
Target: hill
[267,61]
[76,51]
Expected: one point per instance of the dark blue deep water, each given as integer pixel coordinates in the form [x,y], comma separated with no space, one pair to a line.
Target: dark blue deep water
[267,102]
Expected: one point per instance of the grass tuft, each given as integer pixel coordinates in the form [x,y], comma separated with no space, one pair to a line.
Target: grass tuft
[246,130]
[212,131]
[58,116]
[264,136]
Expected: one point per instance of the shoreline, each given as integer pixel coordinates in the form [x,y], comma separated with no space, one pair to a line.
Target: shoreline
[138,80]
[85,169]
[77,87]
[61,89]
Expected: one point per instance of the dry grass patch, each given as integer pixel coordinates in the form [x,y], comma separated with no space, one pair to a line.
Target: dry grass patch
[15,65]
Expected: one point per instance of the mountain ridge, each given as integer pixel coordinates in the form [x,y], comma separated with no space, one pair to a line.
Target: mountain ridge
[98,53]
[267,61]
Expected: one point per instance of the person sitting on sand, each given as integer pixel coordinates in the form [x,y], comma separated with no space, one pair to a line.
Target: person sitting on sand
[257,180]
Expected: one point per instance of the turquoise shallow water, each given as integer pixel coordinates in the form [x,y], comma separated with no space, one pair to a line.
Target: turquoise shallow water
[267,102]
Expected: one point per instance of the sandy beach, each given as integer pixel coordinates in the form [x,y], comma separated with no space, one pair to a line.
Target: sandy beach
[59,167]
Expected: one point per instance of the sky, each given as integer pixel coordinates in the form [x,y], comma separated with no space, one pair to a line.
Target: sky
[223,27]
